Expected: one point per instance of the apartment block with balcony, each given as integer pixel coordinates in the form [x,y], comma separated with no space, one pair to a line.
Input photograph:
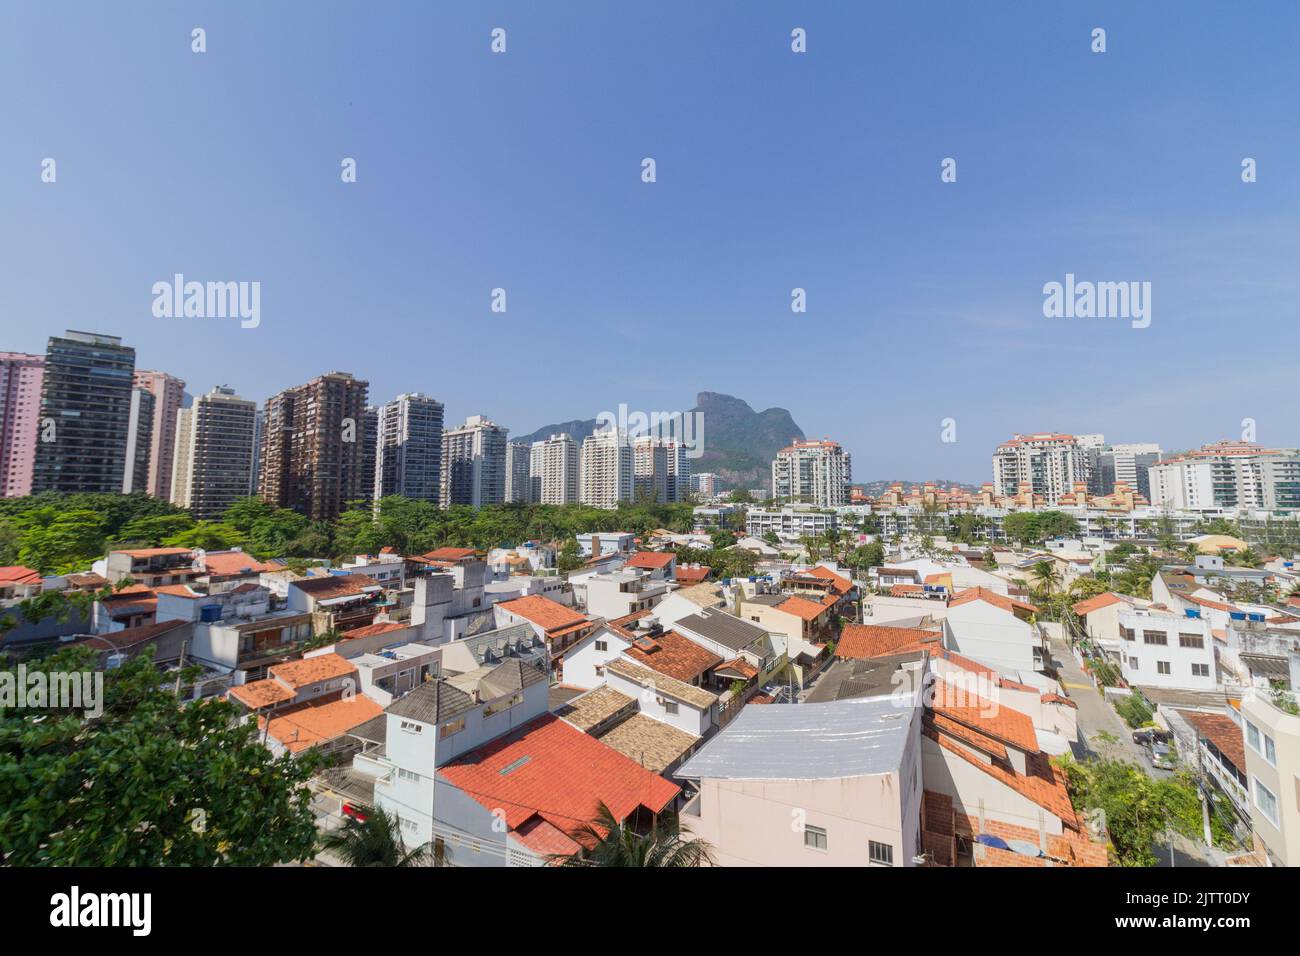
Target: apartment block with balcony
[812,472]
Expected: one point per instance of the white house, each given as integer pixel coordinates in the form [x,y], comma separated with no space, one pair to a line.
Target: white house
[1162,649]
[995,630]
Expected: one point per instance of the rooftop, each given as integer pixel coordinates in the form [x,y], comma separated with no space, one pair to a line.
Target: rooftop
[847,738]
[862,641]
[673,655]
[722,628]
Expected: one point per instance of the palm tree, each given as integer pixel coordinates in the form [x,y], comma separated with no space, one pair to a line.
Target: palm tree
[609,842]
[1046,575]
[377,841]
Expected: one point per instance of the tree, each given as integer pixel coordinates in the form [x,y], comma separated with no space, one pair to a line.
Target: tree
[1136,809]
[740,497]
[377,841]
[1046,576]
[569,558]
[150,782]
[610,842]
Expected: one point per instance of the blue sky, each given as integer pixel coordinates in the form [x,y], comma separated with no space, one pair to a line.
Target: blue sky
[775,170]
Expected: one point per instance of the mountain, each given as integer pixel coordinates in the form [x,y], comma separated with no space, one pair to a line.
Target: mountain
[739,443]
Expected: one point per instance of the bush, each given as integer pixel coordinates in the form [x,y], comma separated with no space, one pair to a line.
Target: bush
[1135,710]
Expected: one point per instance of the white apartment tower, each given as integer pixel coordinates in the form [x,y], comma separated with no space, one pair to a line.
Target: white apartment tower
[812,472]
[607,473]
[1228,474]
[1049,463]
[408,452]
[474,464]
[216,441]
[553,470]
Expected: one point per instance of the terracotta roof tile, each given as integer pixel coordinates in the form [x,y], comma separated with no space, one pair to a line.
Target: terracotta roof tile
[311,670]
[651,559]
[862,641]
[673,655]
[802,608]
[545,613]
[311,723]
[991,597]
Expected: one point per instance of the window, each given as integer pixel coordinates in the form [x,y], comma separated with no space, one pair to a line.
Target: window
[1191,640]
[1252,737]
[412,728]
[404,774]
[1270,751]
[602,645]
[1200,670]
[451,727]
[1162,667]
[1265,801]
[880,854]
[1126,633]
[670,707]
[814,837]
[1159,638]
[1132,663]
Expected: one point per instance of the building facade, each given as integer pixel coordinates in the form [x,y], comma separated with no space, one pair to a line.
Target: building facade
[812,472]
[474,463]
[168,393]
[408,457]
[1047,462]
[1232,475]
[606,470]
[313,454]
[219,435]
[553,471]
[86,396]
[21,376]
[139,442]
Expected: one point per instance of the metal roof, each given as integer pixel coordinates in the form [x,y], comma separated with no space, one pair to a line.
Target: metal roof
[845,738]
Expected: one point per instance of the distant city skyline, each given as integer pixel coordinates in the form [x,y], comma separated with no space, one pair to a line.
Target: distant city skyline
[775,171]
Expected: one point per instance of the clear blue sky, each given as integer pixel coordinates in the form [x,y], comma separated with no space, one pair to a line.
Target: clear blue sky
[775,170]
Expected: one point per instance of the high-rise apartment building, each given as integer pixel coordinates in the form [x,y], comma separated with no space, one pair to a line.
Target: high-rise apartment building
[1228,474]
[1048,462]
[519,455]
[705,484]
[606,468]
[169,395]
[216,444]
[369,453]
[650,470]
[86,395]
[139,442]
[679,470]
[313,446]
[553,470]
[474,463]
[812,472]
[408,458]
[1130,463]
[20,418]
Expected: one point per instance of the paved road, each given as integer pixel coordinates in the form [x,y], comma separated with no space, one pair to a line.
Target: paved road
[1096,717]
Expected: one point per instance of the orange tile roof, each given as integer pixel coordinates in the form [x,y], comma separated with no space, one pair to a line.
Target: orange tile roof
[1044,785]
[1220,730]
[550,770]
[153,552]
[179,590]
[840,584]
[1216,605]
[620,624]
[674,656]
[335,585]
[1008,604]
[545,613]
[979,741]
[991,719]
[370,630]
[651,559]
[311,723]
[862,641]
[226,563]
[802,608]
[740,666]
[261,693]
[449,554]
[17,574]
[692,575]
[311,670]
[1097,603]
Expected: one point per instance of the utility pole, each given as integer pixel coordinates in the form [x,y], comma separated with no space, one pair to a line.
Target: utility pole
[180,668]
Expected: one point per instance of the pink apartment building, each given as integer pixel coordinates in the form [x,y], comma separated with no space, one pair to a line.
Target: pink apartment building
[168,393]
[21,376]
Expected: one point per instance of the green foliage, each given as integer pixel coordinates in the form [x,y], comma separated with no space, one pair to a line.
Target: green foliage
[1138,810]
[1135,710]
[1034,527]
[125,789]
[377,841]
[610,843]
[867,556]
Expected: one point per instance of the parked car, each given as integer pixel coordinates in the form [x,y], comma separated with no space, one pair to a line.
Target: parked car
[1151,735]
